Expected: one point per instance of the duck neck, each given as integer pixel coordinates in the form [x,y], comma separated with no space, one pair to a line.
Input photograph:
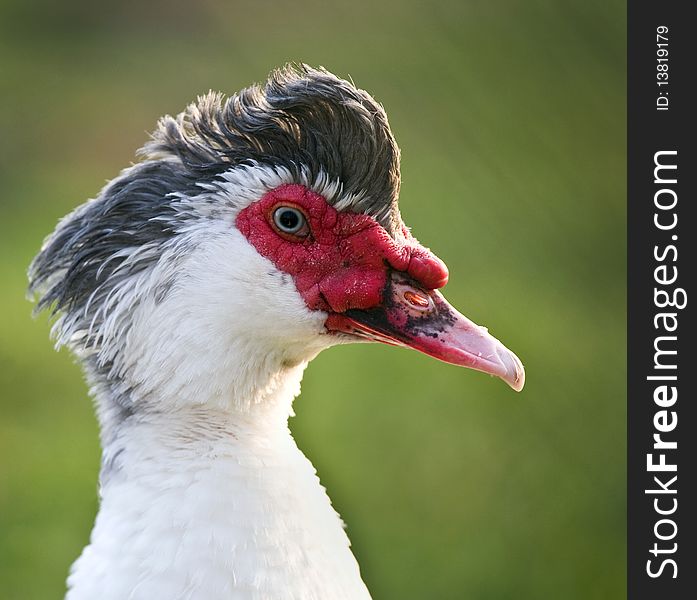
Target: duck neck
[214,502]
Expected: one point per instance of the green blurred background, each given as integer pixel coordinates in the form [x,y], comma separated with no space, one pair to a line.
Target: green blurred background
[511,119]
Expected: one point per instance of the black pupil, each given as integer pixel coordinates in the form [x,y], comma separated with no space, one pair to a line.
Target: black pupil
[289,219]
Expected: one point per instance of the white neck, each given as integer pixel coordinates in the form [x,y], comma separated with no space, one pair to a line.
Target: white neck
[214,503]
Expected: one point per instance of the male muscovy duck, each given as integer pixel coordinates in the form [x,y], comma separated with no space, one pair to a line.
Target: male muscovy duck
[256,232]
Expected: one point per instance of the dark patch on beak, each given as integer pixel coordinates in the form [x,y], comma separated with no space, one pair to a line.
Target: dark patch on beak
[413,317]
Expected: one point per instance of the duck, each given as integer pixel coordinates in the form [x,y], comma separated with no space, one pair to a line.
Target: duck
[253,232]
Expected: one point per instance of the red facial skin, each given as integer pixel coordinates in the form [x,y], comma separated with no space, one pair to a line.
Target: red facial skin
[371,285]
[344,262]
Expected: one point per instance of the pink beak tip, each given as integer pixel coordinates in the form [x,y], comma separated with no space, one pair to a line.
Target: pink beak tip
[514,371]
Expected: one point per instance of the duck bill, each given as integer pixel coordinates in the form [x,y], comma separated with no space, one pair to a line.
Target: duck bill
[424,320]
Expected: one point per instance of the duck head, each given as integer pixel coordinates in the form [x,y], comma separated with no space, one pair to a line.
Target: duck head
[257,229]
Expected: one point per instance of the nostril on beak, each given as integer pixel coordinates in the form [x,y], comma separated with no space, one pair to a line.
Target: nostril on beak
[417,300]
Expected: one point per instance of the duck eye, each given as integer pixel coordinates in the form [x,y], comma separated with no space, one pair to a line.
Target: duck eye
[290,220]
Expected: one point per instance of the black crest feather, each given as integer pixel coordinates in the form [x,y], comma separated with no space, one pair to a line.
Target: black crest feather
[300,118]
[305,120]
